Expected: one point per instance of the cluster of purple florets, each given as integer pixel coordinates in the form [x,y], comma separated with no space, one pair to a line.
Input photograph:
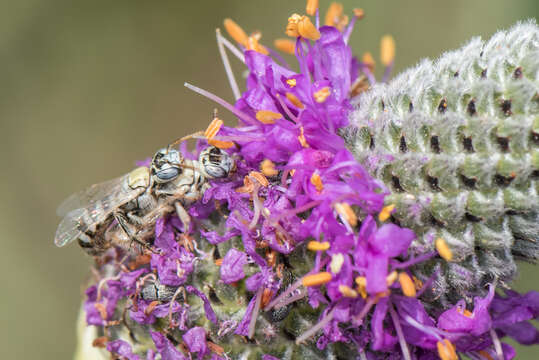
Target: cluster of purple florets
[314,191]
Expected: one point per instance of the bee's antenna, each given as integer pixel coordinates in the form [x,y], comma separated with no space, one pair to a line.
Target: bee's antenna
[198,133]
[182,139]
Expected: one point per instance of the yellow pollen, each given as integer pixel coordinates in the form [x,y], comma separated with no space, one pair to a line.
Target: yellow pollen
[301,26]
[335,17]
[285,45]
[321,95]
[361,281]
[292,26]
[292,172]
[407,285]
[218,262]
[418,283]
[368,60]
[213,128]
[316,180]
[446,350]
[390,279]
[235,32]
[302,139]
[346,211]
[267,167]
[291,82]
[359,13]
[387,50]
[362,290]
[267,116]
[443,249]
[259,177]
[316,279]
[318,246]
[386,212]
[347,291]
[294,100]
[312,6]
[337,260]
[221,144]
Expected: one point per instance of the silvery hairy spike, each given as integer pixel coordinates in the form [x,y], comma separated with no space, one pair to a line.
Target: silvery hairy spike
[456,141]
[123,211]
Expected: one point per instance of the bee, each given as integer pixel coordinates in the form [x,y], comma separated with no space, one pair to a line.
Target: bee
[121,211]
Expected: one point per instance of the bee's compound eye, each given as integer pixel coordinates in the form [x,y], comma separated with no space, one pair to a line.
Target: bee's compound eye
[168,174]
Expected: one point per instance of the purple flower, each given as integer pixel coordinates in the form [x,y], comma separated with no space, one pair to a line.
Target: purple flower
[195,338]
[232,267]
[122,348]
[165,347]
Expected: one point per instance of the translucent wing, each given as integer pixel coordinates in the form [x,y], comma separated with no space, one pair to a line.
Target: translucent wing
[89,196]
[98,201]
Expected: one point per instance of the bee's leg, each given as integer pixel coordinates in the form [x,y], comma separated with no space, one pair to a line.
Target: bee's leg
[135,218]
[126,227]
[183,216]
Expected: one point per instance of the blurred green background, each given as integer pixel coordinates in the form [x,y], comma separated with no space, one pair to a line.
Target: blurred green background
[88,87]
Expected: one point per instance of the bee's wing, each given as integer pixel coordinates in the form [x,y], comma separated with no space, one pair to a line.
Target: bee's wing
[95,204]
[89,196]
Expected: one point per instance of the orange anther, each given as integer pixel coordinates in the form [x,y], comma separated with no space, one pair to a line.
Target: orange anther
[235,32]
[418,283]
[312,6]
[335,16]
[214,348]
[213,128]
[361,281]
[318,246]
[307,29]
[221,144]
[407,285]
[347,291]
[386,212]
[368,60]
[321,95]
[267,116]
[102,310]
[218,262]
[302,140]
[443,249]
[485,354]
[301,26]
[294,100]
[387,50]
[316,180]
[259,177]
[345,210]
[291,82]
[359,13]
[285,45]
[266,297]
[446,350]
[267,167]
[390,279]
[316,279]
[254,44]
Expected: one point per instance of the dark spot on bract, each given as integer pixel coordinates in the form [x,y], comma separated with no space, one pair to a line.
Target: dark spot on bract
[468,182]
[506,107]
[502,181]
[442,107]
[484,74]
[214,299]
[456,74]
[467,143]
[435,144]
[410,107]
[535,137]
[471,108]
[436,222]
[402,146]
[371,143]
[396,184]
[535,174]
[471,217]
[433,183]
[517,74]
[481,53]
[503,142]
[383,104]
[394,220]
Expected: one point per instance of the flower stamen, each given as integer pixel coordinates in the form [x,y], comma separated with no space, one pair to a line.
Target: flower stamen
[443,249]
[294,100]
[346,212]
[267,167]
[301,138]
[318,246]
[267,116]
[321,95]
[236,32]
[446,350]
[407,285]
[347,291]
[386,212]
[285,45]
[316,279]
[312,7]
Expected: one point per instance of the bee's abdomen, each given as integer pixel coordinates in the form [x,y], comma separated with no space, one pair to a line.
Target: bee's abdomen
[456,141]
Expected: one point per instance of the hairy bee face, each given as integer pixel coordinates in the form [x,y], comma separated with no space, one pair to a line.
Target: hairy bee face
[166,165]
[216,163]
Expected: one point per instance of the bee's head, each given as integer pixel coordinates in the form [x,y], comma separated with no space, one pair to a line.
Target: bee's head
[215,162]
[166,165]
